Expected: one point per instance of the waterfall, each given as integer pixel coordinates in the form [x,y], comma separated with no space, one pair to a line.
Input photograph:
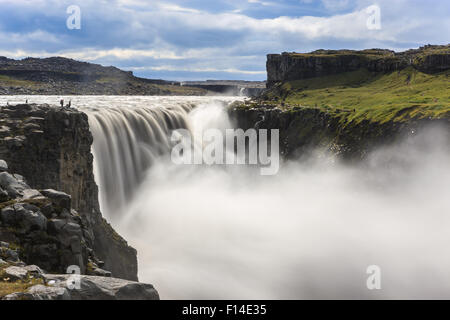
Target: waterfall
[310,232]
[127,140]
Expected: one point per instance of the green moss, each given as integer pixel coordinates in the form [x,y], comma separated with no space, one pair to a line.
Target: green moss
[364,95]
[15,246]
[7,204]
[90,268]
[8,287]
[114,235]
[375,54]
[40,202]
[9,81]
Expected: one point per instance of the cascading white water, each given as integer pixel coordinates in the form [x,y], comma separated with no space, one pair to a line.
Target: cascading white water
[309,232]
[129,139]
[127,142]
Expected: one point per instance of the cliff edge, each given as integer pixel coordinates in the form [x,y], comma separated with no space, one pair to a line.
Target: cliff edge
[348,102]
[51,147]
[296,66]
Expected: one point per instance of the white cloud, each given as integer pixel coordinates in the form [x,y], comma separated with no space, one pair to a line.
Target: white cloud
[335,4]
[177,8]
[263,3]
[176,37]
[23,38]
[343,26]
[88,54]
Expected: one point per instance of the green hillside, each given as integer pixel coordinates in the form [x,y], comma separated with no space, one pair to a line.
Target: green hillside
[361,94]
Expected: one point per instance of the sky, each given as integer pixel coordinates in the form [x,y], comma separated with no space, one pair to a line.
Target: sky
[212,39]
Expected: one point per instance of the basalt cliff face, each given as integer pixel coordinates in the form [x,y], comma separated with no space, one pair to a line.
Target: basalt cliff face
[51,147]
[306,132]
[296,66]
[347,103]
[63,76]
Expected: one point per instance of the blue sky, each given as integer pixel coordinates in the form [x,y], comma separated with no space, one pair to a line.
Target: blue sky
[207,39]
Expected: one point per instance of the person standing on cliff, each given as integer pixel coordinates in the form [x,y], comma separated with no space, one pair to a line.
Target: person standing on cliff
[62,102]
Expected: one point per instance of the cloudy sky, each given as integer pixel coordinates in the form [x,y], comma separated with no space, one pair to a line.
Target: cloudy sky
[212,39]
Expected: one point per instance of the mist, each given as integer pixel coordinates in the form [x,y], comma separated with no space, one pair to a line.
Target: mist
[309,232]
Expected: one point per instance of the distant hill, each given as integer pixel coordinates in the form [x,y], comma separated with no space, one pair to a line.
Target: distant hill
[63,76]
[230,87]
[290,66]
[373,84]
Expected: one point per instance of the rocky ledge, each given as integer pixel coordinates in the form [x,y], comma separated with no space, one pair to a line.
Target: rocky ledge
[290,66]
[40,227]
[51,147]
[39,230]
[34,284]
[49,210]
[306,132]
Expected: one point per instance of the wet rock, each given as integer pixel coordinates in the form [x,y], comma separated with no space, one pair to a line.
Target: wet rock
[59,198]
[55,226]
[63,228]
[4,131]
[31,126]
[16,273]
[29,206]
[31,194]
[70,287]
[4,195]
[34,220]
[12,185]
[47,256]
[102,288]
[101,273]
[11,255]
[3,166]
[40,292]
[34,271]
[15,142]
[9,216]
[75,244]
[72,229]
[20,217]
[65,214]
[19,178]
[47,210]
[57,156]
[7,234]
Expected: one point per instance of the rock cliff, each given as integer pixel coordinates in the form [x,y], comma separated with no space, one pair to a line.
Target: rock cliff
[348,102]
[19,281]
[306,132]
[41,228]
[51,148]
[296,66]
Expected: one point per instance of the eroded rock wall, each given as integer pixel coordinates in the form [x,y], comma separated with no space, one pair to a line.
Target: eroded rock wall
[51,147]
[306,132]
[293,66]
